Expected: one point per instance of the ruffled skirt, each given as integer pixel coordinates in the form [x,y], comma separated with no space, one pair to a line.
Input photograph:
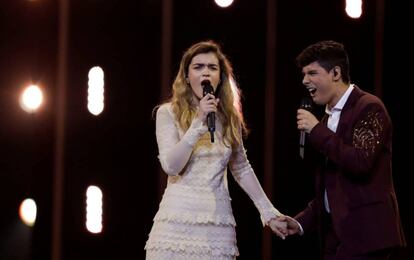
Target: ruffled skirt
[173,240]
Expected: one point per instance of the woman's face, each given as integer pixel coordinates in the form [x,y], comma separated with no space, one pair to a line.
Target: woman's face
[204,66]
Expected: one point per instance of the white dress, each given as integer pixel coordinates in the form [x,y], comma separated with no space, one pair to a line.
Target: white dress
[195,218]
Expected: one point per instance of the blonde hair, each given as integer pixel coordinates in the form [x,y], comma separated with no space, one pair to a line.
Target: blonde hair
[229,109]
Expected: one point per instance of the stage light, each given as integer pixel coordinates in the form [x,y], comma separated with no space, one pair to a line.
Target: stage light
[94,209]
[224,3]
[28,212]
[31,99]
[353,8]
[96,91]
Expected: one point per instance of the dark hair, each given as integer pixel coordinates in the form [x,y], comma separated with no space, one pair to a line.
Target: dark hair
[328,54]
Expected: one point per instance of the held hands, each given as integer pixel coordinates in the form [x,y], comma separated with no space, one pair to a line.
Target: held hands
[284,225]
[207,104]
[279,227]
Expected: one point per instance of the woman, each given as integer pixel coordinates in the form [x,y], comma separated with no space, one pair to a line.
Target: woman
[195,219]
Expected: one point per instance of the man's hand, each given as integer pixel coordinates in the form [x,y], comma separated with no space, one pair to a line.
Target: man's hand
[292,225]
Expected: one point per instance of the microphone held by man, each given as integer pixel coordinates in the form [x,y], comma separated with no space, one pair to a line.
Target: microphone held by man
[306,104]
[211,117]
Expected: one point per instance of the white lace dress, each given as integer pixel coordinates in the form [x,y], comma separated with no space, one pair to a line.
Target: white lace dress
[195,218]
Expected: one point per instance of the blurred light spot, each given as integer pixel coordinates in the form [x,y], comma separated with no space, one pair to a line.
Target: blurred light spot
[94,209]
[31,99]
[224,3]
[96,90]
[354,8]
[28,211]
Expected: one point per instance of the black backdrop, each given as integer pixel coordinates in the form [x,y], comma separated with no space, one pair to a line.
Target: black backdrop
[117,150]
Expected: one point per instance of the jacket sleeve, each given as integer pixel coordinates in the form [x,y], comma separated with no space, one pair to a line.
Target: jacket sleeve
[308,217]
[371,133]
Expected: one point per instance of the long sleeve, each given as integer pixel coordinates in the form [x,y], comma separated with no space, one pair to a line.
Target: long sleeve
[246,178]
[370,135]
[174,152]
[308,218]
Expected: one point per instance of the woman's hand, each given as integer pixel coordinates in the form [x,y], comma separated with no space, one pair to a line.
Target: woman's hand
[207,104]
[279,226]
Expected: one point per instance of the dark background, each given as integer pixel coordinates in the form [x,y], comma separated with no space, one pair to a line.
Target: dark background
[117,150]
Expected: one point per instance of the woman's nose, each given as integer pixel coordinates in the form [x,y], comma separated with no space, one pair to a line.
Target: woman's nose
[206,71]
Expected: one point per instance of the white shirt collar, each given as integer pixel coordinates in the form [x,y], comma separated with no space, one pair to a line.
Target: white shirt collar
[341,102]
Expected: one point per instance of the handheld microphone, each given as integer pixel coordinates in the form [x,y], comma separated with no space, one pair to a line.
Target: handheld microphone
[305,103]
[211,117]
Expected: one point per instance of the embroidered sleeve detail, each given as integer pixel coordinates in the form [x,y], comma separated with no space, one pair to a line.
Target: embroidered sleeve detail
[367,133]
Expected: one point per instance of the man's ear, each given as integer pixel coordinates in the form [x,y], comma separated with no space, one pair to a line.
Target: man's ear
[336,72]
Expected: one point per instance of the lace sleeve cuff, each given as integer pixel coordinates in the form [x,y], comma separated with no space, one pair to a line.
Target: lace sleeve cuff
[267,210]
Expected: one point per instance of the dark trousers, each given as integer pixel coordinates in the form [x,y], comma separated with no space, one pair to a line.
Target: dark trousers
[333,249]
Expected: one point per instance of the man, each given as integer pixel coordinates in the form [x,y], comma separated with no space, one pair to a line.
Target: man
[355,208]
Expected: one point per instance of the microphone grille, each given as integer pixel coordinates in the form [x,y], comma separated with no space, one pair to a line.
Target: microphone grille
[306,103]
[207,88]
[205,83]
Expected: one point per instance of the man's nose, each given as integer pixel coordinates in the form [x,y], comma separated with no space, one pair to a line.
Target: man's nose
[305,80]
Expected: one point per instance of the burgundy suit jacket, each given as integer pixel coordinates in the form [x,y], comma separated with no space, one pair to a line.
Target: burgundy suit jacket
[357,175]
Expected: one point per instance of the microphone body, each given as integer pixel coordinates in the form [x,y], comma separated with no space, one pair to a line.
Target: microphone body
[302,144]
[306,103]
[211,117]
